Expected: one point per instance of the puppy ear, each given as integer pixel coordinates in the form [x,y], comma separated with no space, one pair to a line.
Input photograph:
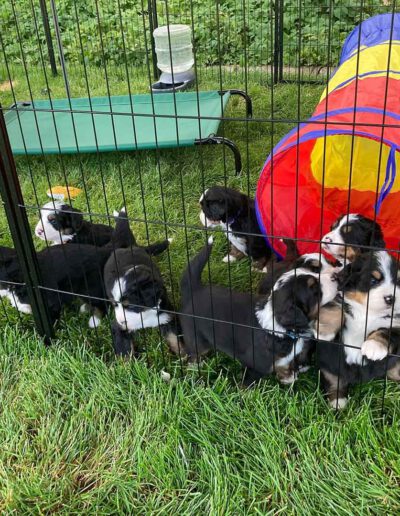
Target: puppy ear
[76,219]
[374,233]
[349,275]
[291,317]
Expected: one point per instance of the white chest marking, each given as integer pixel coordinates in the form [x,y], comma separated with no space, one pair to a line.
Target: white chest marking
[238,242]
[358,326]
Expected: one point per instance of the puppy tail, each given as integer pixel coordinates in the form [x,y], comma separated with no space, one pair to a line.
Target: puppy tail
[191,278]
[122,235]
[157,248]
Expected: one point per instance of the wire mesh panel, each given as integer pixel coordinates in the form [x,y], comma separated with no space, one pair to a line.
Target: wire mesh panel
[93,136]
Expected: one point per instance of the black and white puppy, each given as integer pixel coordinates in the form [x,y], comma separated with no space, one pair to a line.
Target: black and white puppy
[135,287]
[351,235]
[236,214]
[60,223]
[266,334]
[364,323]
[67,273]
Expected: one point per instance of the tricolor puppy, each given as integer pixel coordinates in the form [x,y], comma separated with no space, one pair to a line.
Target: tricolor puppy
[60,223]
[364,323]
[351,235]
[68,272]
[235,213]
[266,334]
[135,287]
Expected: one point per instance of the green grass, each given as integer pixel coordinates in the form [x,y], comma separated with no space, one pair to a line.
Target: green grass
[82,432]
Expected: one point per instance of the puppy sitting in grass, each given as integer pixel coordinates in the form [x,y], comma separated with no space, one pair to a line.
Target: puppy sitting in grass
[235,212]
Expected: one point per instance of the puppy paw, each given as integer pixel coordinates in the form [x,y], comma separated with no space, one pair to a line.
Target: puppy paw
[94,321]
[304,368]
[374,350]
[338,403]
[165,377]
[25,309]
[257,269]
[210,240]
[288,379]
[84,308]
[170,240]
[228,258]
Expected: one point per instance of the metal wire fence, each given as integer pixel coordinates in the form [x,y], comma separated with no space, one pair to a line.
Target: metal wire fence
[278,56]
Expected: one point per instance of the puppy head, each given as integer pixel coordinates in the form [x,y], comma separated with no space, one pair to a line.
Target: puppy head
[58,222]
[135,295]
[219,205]
[372,281]
[295,300]
[349,234]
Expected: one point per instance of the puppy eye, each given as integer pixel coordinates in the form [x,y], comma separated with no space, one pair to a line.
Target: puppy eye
[125,303]
[375,281]
[52,219]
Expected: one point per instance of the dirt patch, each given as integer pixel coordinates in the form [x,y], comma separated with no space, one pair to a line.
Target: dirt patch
[7,85]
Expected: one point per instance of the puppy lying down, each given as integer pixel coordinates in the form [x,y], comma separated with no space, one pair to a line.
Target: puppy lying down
[60,223]
[266,334]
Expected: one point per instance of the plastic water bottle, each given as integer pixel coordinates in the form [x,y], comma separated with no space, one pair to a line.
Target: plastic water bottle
[181,50]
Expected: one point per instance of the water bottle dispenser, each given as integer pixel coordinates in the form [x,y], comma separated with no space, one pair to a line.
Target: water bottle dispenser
[174,49]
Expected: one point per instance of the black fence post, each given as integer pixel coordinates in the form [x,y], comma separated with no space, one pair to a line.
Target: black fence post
[278,41]
[49,41]
[11,195]
[280,73]
[153,24]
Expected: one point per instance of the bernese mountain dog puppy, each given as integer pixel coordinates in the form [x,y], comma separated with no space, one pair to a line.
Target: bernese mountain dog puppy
[352,235]
[265,333]
[362,325]
[67,273]
[136,289]
[60,223]
[236,214]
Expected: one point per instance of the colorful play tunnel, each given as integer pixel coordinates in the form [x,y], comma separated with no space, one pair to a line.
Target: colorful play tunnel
[344,159]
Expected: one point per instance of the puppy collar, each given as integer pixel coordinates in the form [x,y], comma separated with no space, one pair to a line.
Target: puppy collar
[291,334]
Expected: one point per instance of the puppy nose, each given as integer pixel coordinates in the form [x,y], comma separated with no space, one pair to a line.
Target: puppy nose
[328,239]
[389,300]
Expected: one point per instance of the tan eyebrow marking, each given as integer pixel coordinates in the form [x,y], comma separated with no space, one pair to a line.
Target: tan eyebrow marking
[377,275]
